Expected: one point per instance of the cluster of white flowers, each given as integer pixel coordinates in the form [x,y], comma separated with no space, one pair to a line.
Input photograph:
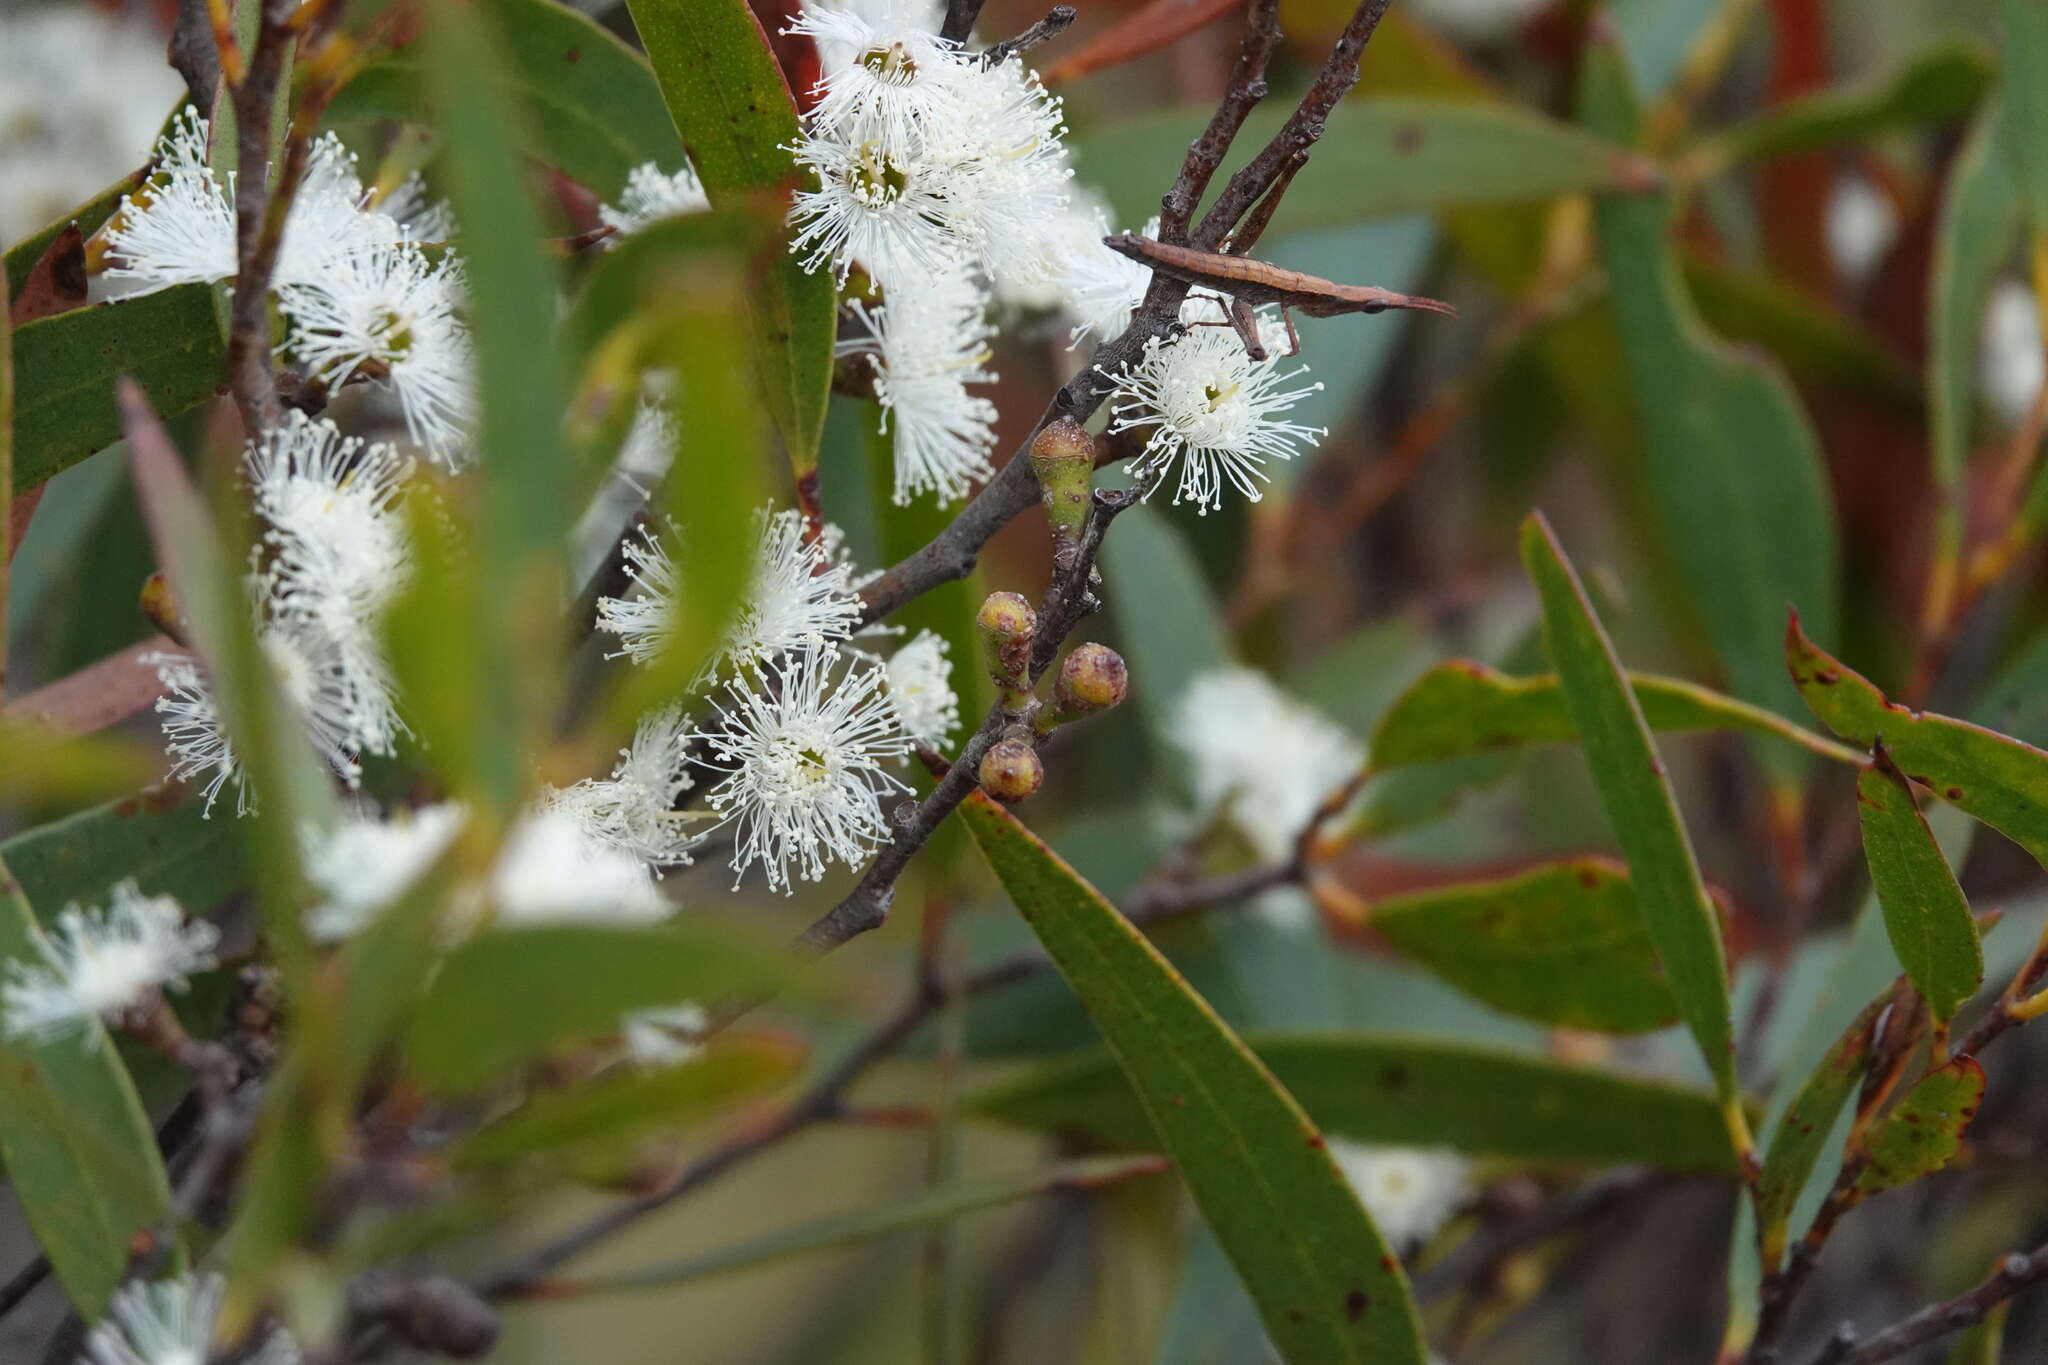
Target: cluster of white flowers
[98,964]
[362,294]
[1409,1191]
[332,554]
[651,196]
[170,1322]
[63,138]
[801,722]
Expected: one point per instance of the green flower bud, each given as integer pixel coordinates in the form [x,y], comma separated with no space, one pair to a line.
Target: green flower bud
[1063,458]
[1012,771]
[1008,625]
[1092,678]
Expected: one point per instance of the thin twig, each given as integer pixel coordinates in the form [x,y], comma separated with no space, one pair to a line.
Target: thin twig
[960,17]
[2015,1272]
[256,247]
[1057,20]
[192,52]
[1206,153]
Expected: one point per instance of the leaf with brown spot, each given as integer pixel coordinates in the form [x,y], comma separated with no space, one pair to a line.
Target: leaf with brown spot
[1994,778]
[1925,1131]
[55,283]
[1924,910]
[1802,1134]
[1562,944]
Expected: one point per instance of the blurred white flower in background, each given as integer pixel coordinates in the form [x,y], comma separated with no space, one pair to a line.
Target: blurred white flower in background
[83,93]
[1479,21]
[98,963]
[663,1037]
[633,810]
[363,864]
[1862,224]
[2011,364]
[552,871]
[1256,758]
[921,689]
[170,1322]
[1409,1191]
[651,195]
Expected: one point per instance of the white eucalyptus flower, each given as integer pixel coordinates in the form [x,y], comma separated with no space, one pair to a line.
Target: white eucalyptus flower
[1101,289]
[330,220]
[927,343]
[634,809]
[170,1322]
[345,706]
[2012,363]
[552,871]
[1256,757]
[96,964]
[663,1037]
[803,759]
[195,739]
[921,689]
[419,219]
[800,593]
[1006,172]
[179,228]
[1410,1192]
[391,315]
[653,194]
[363,864]
[650,444]
[889,78]
[1213,409]
[892,211]
[336,547]
[799,596]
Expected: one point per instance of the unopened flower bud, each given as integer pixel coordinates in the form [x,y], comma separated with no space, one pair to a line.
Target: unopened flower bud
[1092,678]
[1008,625]
[161,607]
[1063,458]
[1012,771]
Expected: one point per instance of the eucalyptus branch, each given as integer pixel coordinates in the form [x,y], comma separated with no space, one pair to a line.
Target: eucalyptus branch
[2015,1272]
[1154,901]
[1205,155]
[960,17]
[1067,599]
[256,245]
[193,54]
[1057,20]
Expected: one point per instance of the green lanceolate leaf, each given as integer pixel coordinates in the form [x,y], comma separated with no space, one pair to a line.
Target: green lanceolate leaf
[1639,803]
[1984,774]
[735,114]
[1460,708]
[522,392]
[1435,1092]
[2024,39]
[864,1225]
[1940,84]
[591,106]
[511,994]
[1381,158]
[1563,944]
[161,840]
[1802,1134]
[620,1108]
[1818,343]
[1733,464]
[1924,910]
[65,366]
[1924,1131]
[1326,1284]
[79,1151]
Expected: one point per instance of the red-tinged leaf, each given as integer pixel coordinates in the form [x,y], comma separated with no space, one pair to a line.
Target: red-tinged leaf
[98,695]
[1143,31]
[55,283]
[737,118]
[1991,777]
[1326,1284]
[1802,1134]
[1924,910]
[1925,1131]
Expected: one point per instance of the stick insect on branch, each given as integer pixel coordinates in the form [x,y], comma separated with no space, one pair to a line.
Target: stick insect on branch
[1250,283]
